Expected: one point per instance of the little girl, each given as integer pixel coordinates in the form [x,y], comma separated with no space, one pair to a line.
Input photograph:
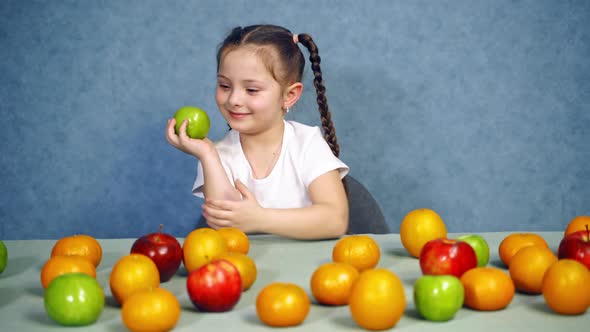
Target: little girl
[268,175]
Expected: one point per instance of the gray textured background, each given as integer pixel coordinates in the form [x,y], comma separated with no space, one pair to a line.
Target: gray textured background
[476,109]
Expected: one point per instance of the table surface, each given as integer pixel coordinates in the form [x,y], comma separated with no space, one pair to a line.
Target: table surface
[277,259]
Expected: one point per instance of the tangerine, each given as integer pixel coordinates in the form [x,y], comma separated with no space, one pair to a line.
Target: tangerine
[81,245]
[235,239]
[566,287]
[377,299]
[578,223]
[360,251]
[282,304]
[420,226]
[201,246]
[154,309]
[487,288]
[528,266]
[132,273]
[58,265]
[331,283]
[512,243]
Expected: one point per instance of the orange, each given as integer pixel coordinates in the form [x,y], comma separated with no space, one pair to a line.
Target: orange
[360,251]
[528,266]
[420,226]
[245,265]
[578,223]
[512,243]
[282,304]
[132,273]
[81,245]
[201,246]
[377,300]
[331,283]
[566,287]
[235,239]
[58,265]
[155,309]
[487,288]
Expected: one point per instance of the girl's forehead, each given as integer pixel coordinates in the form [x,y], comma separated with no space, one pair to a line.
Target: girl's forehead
[243,61]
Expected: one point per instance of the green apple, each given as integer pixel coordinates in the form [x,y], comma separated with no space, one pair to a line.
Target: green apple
[480,246]
[438,297]
[3,256]
[198,121]
[74,299]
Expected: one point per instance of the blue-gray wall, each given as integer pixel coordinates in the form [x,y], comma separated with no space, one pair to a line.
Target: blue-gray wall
[479,110]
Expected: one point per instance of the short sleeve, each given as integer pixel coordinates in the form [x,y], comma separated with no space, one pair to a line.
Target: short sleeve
[199,181]
[318,159]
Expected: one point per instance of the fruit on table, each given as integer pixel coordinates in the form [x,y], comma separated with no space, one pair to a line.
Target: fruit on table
[578,223]
[74,299]
[576,246]
[245,265]
[235,239]
[331,283]
[420,226]
[215,286]
[487,289]
[512,243]
[480,246]
[164,249]
[58,265]
[566,287]
[81,245]
[528,266]
[438,298]
[198,121]
[3,256]
[132,273]
[155,309]
[281,304]
[360,251]
[377,300]
[201,246]
[447,256]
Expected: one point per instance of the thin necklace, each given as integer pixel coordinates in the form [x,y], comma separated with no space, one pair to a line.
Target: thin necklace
[271,164]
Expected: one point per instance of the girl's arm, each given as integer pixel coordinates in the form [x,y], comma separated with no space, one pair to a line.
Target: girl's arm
[327,217]
[217,185]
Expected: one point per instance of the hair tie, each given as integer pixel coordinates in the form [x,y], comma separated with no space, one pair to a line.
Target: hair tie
[296,38]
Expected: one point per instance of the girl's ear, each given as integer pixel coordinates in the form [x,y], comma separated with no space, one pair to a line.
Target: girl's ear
[292,94]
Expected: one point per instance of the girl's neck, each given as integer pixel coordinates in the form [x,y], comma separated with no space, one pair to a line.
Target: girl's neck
[267,140]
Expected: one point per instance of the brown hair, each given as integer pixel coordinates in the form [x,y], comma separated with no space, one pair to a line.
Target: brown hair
[285,62]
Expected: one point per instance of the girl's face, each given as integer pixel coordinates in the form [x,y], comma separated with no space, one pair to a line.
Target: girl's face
[248,97]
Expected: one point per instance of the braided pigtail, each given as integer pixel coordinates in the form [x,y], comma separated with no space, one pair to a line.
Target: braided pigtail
[326,117]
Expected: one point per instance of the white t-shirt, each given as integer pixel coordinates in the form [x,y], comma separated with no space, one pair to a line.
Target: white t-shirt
[304,156]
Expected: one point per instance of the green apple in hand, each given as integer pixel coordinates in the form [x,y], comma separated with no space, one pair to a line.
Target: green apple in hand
[74,299]
[438,297]
[198,121]
[480,246]
[3,256]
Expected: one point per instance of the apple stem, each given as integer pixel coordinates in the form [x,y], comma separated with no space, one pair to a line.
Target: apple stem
[160,230]
[587,231]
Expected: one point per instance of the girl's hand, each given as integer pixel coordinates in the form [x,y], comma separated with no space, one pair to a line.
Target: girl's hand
[245,214]
[194,147]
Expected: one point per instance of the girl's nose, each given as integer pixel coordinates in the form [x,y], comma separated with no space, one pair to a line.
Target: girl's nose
[235,98]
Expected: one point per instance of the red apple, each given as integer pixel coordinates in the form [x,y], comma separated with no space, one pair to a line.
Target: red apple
[215,286]
[445,256]
[163,249]
[576,246]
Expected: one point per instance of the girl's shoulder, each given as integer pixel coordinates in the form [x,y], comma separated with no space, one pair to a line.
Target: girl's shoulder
[302,132]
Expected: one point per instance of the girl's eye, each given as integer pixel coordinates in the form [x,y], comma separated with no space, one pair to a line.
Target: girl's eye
[223,86]
[252,90]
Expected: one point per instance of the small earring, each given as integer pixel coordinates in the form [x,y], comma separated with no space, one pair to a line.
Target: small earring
[288,109]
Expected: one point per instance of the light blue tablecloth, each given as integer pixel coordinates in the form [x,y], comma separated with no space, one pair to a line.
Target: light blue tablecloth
[277,259]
